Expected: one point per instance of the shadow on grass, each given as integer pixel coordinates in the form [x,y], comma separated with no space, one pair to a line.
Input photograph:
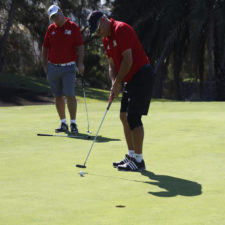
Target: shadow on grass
[24,90]
[99,139]
[92,93]
[105,139]
[173,186]
[83,136]
[20,96]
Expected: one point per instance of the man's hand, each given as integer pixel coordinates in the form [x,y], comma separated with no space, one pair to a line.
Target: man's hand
[81,68]
[45,68]
[116,87]
[44,58]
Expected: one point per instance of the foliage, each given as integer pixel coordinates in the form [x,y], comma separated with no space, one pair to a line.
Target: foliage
[190,32]
[30,21]
[183,39]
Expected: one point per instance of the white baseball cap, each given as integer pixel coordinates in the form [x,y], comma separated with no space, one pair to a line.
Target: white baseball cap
[53,9]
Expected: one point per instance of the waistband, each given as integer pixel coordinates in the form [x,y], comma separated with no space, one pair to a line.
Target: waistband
[64,64]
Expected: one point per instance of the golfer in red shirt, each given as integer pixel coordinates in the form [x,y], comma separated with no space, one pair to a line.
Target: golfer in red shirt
[128,66]
[62,49]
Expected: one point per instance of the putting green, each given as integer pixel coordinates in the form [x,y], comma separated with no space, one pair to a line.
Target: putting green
[184,151]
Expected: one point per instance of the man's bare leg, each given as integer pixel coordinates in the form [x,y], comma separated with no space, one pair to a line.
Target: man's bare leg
[137,139]
[60,106]
[72,106]
[127,130]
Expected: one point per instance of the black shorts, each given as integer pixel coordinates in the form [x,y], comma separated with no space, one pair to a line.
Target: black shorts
[137,93]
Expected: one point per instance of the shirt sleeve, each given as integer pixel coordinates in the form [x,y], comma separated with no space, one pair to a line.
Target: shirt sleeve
[124,35]
[77,35]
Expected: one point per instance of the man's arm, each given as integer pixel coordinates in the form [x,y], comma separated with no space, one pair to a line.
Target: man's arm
[80,59]
[112,70]
[125,67]
[44,58]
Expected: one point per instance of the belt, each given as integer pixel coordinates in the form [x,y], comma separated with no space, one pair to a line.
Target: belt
[64,64]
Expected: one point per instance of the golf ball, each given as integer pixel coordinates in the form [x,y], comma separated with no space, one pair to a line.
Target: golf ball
[81,173]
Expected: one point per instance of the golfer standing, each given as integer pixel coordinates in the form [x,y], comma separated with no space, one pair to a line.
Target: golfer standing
[128,66]
[62,49]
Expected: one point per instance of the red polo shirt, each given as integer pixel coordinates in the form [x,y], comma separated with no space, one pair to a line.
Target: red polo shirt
[122,38]
[62,42]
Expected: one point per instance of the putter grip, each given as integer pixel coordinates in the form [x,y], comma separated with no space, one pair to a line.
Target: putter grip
[110,101]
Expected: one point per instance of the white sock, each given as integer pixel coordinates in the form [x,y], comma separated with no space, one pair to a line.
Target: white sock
[138,157]
[72,121]
[131,153]
[63,121]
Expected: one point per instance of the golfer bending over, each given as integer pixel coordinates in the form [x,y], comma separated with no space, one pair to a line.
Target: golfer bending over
[128,66]
[62,47]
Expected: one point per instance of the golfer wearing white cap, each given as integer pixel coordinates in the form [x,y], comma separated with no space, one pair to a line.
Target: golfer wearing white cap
[62,49]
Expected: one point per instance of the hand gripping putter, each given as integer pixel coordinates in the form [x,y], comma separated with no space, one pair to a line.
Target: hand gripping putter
[107,109]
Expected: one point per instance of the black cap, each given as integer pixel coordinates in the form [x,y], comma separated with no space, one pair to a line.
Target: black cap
[93,18]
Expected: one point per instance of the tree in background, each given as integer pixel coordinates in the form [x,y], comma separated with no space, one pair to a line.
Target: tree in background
[24,34]
[5,6]
[186,37]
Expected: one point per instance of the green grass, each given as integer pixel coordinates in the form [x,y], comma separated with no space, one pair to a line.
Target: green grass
[36,85]
[184,150]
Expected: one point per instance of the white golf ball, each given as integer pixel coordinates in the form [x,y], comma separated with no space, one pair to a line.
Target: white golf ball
[81,173]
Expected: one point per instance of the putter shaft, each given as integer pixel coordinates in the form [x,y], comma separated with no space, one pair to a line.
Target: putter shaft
[107,109]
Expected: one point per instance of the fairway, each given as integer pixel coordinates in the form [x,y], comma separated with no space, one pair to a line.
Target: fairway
[184,152]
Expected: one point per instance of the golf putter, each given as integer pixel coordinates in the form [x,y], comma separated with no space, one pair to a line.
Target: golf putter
[83,86]
[63,135]
[107,109]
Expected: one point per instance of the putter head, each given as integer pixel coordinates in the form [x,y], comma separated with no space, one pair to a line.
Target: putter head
[89,134]
[80,166]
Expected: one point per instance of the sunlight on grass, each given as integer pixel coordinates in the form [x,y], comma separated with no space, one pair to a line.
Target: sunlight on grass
[183,184]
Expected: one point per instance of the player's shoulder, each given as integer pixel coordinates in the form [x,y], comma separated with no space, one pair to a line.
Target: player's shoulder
[72,24]
[122,27]
[51,26]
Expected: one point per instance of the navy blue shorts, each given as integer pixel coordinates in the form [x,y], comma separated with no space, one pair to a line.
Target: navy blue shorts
[61,79]
[137,93]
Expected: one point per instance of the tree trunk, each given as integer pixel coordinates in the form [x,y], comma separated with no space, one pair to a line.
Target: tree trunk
[210,58]
[6,34]
[159,70]
[162,72]
[201,68]
[177,68]
[219,66]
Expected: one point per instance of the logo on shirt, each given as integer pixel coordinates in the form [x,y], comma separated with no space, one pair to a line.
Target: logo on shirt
[53,32]
[68,32]
[108,47]
[114,43]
